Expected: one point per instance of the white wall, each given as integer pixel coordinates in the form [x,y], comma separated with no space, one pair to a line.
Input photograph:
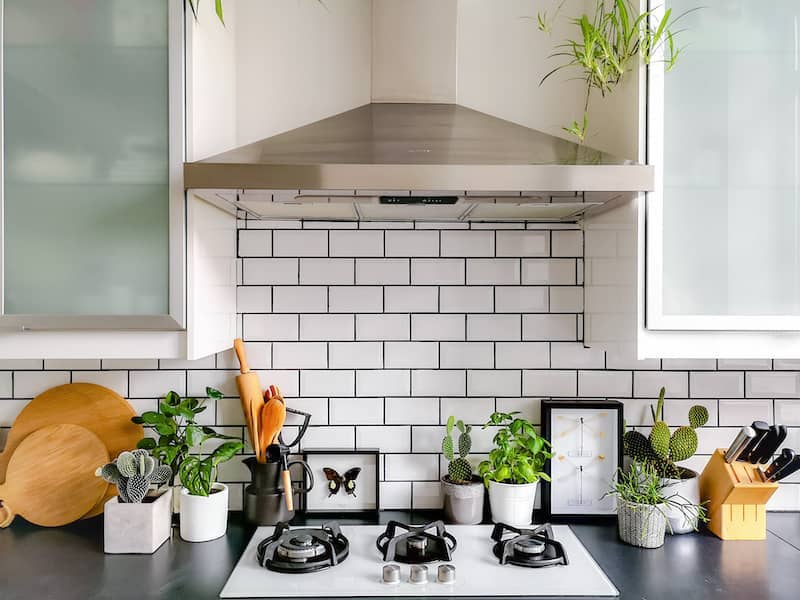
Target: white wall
[299,61]
[414,50]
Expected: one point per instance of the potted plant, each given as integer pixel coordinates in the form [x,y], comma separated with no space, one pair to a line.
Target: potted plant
[513,469]
[177,431]
[204,502]
[641,506]
[463,491]
[139,518]
[663,450]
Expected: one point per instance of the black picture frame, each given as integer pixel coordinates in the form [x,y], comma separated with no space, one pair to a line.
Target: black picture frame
[374,452]
[546,427]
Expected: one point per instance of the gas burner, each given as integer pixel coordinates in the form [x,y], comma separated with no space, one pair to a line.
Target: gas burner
[527,547]
[303,550]
[418,545]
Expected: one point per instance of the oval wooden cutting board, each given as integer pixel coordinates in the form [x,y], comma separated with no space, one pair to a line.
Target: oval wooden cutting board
[99,409]
[50,479]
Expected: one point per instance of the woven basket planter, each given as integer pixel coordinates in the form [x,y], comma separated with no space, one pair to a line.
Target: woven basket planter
[642,525]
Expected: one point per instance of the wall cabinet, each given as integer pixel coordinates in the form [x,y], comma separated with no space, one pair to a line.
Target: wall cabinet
[101,250]
[713,255]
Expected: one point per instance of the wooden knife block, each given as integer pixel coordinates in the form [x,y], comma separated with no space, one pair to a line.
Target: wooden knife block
[736,496]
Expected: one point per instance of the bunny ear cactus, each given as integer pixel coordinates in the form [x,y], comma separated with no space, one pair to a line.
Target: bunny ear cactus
[133,473]
[459,470]
[663,449]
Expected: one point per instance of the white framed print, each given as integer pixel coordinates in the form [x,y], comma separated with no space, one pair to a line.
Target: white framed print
[344,481]
[586,438]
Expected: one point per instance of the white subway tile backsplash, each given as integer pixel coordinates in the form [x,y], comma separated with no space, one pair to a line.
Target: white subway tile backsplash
[716,385]
[522,355]
[438,327]
[605,384]
[786,364]
[426,495]
[493,271]
[473,411]
[269,271]
[574,355]
[412,467]
[411,355]
[270,327]
[566,299]
[438,383]
[299,355]
[523,243]
[773,385]
[147,384]
[414,410]
[467,243]
[7,385]
[383,327]
[113,380]
[383,383]
[516,299]
[412,243]
[494,327]
[386,438]
[546,384]
[395,494]
[300,243]
[409,299]
[355,355]
[549,327]
[355,299]
[466,299]
[299,299]
[329,438]
[787,412]
[224,381]
[545,271]
[427,438]
[287,379]
[356,411]
[567,243]
[648,384]
[255,242]
[327,327]
[528,408]
[356,243]
[9,410]
[466,355]
[326,271]
[382,271]
[438,271]
[327,383]
[688,364]
[71,364]
[737,413]
[744,365]
[254,299]
[493,383]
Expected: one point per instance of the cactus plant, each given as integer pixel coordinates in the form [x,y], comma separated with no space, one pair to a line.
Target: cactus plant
[133,473]
[662,449]
[459,470]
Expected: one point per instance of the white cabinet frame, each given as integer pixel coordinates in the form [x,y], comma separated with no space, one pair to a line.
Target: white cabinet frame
[655,319]
[176,319]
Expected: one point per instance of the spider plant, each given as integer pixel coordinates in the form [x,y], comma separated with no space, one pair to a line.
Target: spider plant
[608,44]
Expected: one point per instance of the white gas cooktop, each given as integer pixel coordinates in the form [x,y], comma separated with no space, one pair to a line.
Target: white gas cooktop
[478,572]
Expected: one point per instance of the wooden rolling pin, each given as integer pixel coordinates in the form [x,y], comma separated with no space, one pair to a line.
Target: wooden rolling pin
[251,398]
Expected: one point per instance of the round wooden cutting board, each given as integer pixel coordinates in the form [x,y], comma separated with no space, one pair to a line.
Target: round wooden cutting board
[99,409]
[50,479]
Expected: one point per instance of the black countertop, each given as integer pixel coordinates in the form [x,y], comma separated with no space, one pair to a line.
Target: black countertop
[68,563]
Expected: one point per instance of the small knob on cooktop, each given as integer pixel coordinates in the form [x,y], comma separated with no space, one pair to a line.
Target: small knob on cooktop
[447,574]
[418,574]
[391,573]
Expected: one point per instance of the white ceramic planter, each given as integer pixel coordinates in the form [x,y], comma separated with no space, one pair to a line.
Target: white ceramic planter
[137,528]
[687,493]
[512,503]
[204,518]
[463,503]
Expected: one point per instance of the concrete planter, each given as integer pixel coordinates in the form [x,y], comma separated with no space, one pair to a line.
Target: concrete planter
[642,525]
[512,503]
[137,528]
[204,518]
[685,492]
[463,502]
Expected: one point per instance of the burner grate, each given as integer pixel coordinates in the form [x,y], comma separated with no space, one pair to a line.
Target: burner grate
[527,547]
[419,544]
[303,550]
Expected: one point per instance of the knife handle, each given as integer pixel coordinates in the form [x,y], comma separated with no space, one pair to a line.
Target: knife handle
[739,443]
[761,429]
[786,456]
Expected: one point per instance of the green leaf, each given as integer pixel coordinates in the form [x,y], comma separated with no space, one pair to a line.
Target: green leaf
[225,452]
[172,398]
[218,9]
[214,393]
[450,422]
[153,418]
[146,443]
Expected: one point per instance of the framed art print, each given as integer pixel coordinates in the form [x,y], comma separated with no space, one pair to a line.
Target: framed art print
[586,438]
[344,481]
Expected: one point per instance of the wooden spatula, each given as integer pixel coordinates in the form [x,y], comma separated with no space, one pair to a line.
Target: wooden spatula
[272,419]
[251,398]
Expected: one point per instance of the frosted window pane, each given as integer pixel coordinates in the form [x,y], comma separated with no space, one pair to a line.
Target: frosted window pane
[731,206]
[86,157]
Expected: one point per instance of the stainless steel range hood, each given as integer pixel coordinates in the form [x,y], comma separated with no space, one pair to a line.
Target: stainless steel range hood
[407,162]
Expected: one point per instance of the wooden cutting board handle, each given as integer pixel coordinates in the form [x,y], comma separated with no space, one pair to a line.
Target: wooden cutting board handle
[6,516]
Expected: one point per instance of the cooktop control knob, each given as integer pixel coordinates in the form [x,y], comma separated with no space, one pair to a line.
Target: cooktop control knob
[391,573]
[418,574]
[447,574]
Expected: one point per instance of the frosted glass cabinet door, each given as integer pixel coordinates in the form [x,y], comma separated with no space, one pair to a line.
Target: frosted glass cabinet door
[723,227]
[86,156]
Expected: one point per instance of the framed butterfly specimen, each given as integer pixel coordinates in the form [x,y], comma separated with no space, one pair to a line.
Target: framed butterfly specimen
[586,438]
[350,477]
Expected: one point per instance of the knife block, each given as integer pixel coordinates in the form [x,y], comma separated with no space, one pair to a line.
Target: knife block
[735,496]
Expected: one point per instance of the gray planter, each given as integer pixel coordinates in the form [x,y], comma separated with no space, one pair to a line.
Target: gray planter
[463,502]
[137,528]
[642,525]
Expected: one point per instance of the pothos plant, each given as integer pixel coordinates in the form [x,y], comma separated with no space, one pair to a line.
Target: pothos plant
[607,45]
[176,427]
[519,453]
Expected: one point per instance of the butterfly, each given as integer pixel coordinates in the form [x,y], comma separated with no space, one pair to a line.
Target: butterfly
[336,481]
